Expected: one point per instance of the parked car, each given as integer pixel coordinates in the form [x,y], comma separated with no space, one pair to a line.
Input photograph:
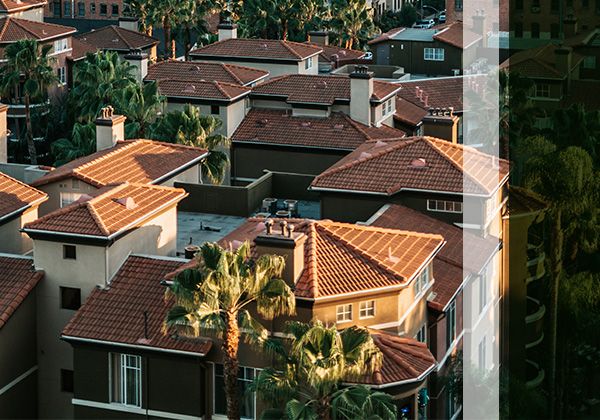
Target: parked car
[368,56]
[442,17]
[424,24]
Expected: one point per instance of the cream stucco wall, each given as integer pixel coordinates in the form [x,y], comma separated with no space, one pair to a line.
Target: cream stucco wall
[274,69]
[13,241]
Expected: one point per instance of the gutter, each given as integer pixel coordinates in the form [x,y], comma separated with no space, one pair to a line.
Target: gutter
[132,346]
[178,170]
[22,209]
[404,382]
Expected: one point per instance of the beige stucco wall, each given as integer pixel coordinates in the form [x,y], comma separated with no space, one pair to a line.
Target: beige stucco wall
[274,69]
[13,241]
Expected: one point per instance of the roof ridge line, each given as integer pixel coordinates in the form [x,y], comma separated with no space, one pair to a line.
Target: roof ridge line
[96,216]
[289,48]
[2,174]
[356,125]
[114,28]
[385,229]
[217,84]
[17,22]
[231,73]
[311,245]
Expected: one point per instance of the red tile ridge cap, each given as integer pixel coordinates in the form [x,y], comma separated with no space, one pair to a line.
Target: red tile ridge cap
[114,29]
[290,49]
[20,25]
[312,269]
[357,126]
[23,293]
[231,73]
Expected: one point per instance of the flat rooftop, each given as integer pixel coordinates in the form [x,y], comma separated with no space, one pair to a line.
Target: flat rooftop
[415,34]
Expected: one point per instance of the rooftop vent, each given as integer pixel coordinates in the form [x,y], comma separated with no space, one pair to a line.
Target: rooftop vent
[115,40]
[338,126]
[190,88]
[127,202]
[365,155]
[305,124]
[419,163]
[263,122]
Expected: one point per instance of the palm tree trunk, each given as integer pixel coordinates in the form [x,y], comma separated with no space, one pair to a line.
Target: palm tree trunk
[323,408]
[231,365]
[167,38]
[29,133]
[188,42]
[173,49]
[556,261]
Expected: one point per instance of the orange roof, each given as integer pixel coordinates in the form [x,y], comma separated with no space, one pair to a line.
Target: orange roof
[204,71]
[140,161]
[343,258]
[132,310]
[266,49]
[16,197]
[17,279]
[13,30]
[115,38]
[415,163]
[7,6]
[122,207]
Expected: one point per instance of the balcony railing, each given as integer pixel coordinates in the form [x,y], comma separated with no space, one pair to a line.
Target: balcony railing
[535,262]
[534,374]
[534,321]
[17,110]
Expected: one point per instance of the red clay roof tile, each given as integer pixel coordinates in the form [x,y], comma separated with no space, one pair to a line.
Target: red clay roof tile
[333,50]
[17,279]
[14,29]
[115,38]
[15,5]
[202,89]
[16,196]
[204,71]
[267,49]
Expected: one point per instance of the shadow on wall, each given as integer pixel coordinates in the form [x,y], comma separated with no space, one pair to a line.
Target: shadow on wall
[243,201]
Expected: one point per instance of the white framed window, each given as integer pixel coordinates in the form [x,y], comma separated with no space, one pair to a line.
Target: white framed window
[60,45]
[308,63]
[387,107]
[422,280]
[247,399]
[126,379]
[481,353]
[589,62]
[542,90]
[366,309]
[433,54]
[451,324]
[421,335]
[67,198]
[445,206]
[344,313]
[61,74]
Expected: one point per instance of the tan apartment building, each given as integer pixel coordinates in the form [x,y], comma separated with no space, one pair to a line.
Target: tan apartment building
[80,247]
[23,9]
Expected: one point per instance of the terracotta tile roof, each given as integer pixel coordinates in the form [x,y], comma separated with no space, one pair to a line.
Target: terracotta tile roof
[278,127]
[343,258]
[449,263]
[13,30]
[7,6]
[135,161]
[409,113]
[423,163]
[16,196]
[268,49]
[201,90]
[204,71]
[524,202]
[80,49]
[17,279]
[115,314]
[115,38]
[386,36]
[457,35]
[304,88]
[538,63]
[342,53]
[452,34]
[121,208]
[404,360]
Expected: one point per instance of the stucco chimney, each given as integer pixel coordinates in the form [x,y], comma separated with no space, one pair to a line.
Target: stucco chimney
[318,37]
[361,91]
[479,25]
[227,30]
[128,22]
[279,238]
[110,129]
[139,60]
[3,134]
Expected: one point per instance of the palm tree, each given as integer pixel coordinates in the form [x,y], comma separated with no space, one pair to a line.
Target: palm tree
[140,9]
[313,364]
[170,14]
[213,298]
[585,123]
[27,73]
[352,21]
[140,104]
[81,143]
[259,19]
[191,128]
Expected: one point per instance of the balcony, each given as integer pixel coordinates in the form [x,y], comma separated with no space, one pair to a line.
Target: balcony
[535,262]
[17,110]
[534,321]
[534,374]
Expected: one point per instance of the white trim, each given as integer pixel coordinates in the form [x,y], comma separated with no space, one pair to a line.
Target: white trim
[131,346]
[404,189]
[377,214]
[160,257]
[18,379]
[406,381]
[133,410]
[176,170]
[24,257]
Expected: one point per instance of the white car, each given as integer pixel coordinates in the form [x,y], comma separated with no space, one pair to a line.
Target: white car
[424,24]
[368,56]
[442,17]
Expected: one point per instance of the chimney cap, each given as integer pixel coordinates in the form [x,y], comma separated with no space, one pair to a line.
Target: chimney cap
[226,23]
[361,71]
[108,117]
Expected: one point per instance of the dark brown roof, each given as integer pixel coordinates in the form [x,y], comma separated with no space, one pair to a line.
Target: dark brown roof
[408,112]
[538,63]
[267,49]
[332,50]
[13,30]
[7,6]
[121,208]
[422,163]
[203,71]
[80,49]
[449,263]
[17,279]
[201,90]
[524,202]
[313,89]
[115,38]
[16,197]
[278,127]
[115,314]
[135,161]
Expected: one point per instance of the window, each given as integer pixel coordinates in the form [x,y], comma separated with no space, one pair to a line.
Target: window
[421,281]
[554,30]
[61,73]
[69,252]
[126,379]
[214,109]
[535,30]
[344,313]
[60,45]
[67,6]
[542,90]
[366,309]
[247,399]
[81,9]
[482,291]
[56,8]
[308,63]
[70,298]
[481,354]
[422,334]
[67,198]
[458,4]
[114,10]
[387,107]
[519,30]
[92,8]
[103,9]
[444,206]
[451,324]
[589,62]
[433,54]
[66,380]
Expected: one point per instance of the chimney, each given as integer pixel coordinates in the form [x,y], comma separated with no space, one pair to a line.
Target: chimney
[110,129]
[361,91]
[3,134]
[318,37]
[139,60]
[563,57]
[227,30]
[441,123]
[479,25]
[570,25]
[279,238]
[129,22]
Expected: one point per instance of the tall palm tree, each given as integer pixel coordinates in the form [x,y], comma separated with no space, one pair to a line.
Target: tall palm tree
[191,128]
[140,104]
[214,297]
[585,123]
[81,143]
[352,21]
[170,14]
[312,365]
[27,73]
